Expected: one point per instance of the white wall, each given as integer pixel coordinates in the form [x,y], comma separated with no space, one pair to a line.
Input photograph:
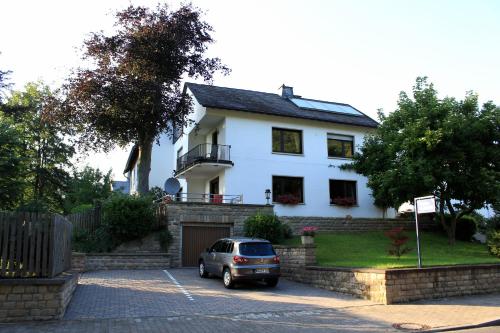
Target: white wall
[162,162]
[250,137]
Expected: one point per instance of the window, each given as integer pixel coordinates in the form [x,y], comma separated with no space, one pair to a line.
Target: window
[340,145]
[343,192]
[288,190]
[257,249]
[287,141]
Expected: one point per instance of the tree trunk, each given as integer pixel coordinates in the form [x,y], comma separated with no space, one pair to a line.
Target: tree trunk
[144,166]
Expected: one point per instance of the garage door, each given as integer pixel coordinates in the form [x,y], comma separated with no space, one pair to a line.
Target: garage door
[195,239]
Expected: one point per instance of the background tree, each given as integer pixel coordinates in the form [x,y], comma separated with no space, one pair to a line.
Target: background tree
[132,93]
[12,164]
[444,147]
[44,148]
[85,187]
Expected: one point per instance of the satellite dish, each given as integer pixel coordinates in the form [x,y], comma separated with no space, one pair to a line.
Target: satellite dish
[172,186]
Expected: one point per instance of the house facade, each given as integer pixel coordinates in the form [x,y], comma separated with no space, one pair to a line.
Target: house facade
[244,143]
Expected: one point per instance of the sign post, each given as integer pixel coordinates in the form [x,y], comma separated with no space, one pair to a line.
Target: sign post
[423,205]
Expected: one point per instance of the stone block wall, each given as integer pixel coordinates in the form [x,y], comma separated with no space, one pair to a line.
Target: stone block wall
[388,286]
[234,216]
[108,261]
[36,298]
[404,285]
[334,224]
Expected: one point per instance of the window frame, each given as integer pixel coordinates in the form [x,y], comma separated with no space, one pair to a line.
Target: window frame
[282,145]
[356,204]
[281,176]
[343,146]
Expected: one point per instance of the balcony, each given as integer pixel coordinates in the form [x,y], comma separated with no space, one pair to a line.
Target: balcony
[204,160]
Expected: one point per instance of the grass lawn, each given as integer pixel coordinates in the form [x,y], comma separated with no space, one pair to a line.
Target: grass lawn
[369,249]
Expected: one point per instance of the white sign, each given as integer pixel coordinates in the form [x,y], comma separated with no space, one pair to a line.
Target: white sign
[425,205]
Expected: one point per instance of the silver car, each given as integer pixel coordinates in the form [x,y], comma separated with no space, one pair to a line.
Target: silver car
[239,259]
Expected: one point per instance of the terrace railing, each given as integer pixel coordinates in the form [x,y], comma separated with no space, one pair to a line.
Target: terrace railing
[205,152]
[204,198]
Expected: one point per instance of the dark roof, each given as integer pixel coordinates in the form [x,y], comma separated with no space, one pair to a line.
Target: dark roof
[132,158]
[270,104]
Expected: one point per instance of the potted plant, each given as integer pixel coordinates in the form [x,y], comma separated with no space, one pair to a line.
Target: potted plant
[346,201]
[287,199]
[308,235]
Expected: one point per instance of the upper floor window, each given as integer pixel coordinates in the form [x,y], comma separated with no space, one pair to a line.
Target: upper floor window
[340,145]
[287,141]
[343,192]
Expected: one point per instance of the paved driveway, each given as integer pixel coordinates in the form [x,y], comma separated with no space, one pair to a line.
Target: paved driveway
[178,300]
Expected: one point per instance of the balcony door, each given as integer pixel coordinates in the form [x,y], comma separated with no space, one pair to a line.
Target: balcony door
[215,148]
[215,197]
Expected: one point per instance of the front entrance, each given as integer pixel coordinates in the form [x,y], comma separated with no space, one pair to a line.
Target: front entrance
[195,239]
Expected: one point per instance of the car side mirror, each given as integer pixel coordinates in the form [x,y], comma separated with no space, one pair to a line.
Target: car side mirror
[207,250]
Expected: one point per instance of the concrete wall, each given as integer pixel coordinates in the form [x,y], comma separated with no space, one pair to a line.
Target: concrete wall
[36,299]
[388,286]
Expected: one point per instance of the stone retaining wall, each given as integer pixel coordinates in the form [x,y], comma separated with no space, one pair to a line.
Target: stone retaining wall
[108,261]
[179,213]
[37,298]
[332,224]
[388,286]
[404,285]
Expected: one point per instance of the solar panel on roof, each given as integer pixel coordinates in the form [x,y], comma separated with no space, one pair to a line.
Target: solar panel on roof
[324,106]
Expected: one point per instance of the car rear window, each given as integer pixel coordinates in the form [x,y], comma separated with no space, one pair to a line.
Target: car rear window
[256,249]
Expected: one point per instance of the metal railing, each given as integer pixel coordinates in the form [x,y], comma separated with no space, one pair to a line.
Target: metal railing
[205,152]
[202,197]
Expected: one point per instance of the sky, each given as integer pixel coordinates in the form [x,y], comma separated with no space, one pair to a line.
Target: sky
[358,52]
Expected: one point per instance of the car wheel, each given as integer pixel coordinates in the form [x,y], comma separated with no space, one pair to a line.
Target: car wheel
[271,282]
[201,270]
[227,278]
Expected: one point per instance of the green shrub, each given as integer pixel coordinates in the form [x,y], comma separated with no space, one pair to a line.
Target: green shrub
[494,243]
[264,226]
[466,226]
[100,241]
[287,231]
[128,217]
[165,238]
[81,208]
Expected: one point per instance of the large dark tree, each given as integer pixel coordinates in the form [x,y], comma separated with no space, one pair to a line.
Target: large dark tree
[444,147]
[45,152]
[132,92]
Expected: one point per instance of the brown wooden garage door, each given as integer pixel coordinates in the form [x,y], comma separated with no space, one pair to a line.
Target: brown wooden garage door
[195,239]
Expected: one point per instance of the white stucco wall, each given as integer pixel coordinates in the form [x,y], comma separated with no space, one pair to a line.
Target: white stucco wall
[250,137]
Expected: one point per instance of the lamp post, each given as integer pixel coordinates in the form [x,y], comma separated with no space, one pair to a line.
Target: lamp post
[268,195]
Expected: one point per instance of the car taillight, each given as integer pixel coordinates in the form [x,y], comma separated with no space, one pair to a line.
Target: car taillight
[240,260]
[277,259]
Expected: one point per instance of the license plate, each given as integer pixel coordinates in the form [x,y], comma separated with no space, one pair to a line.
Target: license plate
[261,271]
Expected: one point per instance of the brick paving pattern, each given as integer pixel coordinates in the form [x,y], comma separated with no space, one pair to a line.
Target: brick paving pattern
[149,301]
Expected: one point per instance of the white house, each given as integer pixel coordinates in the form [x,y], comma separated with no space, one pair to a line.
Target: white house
[244,142]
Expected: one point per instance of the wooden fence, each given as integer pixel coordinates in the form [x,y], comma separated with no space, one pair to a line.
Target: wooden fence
[88,220]
[34,245]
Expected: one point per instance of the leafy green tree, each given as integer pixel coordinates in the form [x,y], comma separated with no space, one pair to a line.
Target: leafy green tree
[47,153]
[86,187]
[444,147]
[12,164]
[132,92]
